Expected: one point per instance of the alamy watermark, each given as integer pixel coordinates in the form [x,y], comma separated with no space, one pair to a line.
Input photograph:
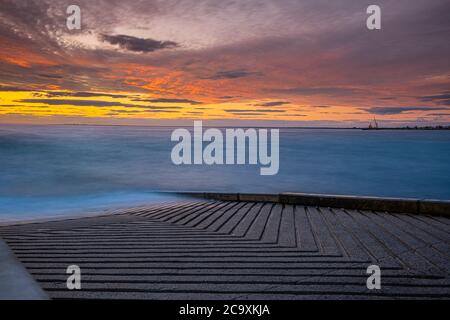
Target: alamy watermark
[373,21]
[191,150]
[73,21]
[74,280]
[374,280]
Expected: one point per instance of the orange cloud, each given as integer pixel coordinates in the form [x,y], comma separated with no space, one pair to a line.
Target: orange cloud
[21,56]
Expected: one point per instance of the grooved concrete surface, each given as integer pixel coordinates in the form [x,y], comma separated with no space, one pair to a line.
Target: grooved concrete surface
[205,249]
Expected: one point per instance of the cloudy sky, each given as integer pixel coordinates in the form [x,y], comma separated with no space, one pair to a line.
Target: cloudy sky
[294,62]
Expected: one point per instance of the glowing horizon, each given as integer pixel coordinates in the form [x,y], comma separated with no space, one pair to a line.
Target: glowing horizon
[303,63]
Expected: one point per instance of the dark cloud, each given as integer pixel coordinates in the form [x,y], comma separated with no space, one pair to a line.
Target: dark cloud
[13,89]
[68,77]
[116,113]
[247,113]
[168,100]
[96,103]
[249,110]
[30,21]
[314,91]
[137,44]
[298,115]
[51,76]
[160,107]
[436,97]
[439,114]
[398,110]
[82,94]
[126,111]
[162,110]
[231,74]
[272,104]
[119,112]
[443,98]
[445,102]
[79,103]
[228,97]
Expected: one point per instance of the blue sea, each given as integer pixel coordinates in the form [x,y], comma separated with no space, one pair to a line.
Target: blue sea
[64,170]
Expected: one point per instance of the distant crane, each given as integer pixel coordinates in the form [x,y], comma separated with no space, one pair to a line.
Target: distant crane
[374,126]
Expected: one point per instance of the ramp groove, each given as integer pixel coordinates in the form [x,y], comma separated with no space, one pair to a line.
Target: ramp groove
[208,249]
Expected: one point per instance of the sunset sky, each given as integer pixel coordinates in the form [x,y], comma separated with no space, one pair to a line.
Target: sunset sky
[281,62]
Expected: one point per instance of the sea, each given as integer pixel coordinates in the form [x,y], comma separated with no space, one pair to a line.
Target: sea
[65,170]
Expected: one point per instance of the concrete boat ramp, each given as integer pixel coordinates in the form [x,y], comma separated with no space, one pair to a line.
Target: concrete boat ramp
[220,247]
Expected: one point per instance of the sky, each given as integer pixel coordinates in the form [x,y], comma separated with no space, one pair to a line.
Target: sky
[262,62]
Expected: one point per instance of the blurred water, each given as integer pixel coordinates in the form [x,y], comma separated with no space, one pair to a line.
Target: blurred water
[48,170]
